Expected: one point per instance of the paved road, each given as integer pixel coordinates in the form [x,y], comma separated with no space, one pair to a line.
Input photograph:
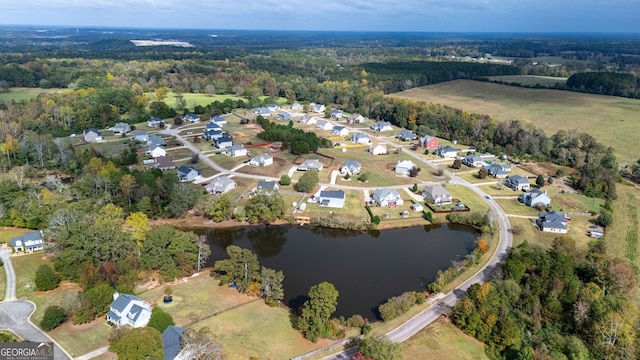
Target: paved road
[10,291]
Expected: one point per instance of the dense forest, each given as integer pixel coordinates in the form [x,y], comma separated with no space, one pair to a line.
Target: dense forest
[554,304]
[606,83]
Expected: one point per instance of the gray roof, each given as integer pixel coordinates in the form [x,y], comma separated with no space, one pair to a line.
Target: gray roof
[92,131]
[112,315]
[220,183]
[184,170]
[357,136]
[333,194]
[285,115]
[136,310]
[262,157]
[123,300]
[517,179]
[311,164]
[267,184]
[165,162]
[473,158]
[171,341]
[436,191]
[351,164]
[217,118]
[155,139]
[30,236]
[213,125]
[385,192]
[236,147]
[406,134]
[447,149]
[338,128]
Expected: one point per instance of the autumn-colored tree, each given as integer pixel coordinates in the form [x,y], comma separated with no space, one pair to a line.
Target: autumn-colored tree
[138,225]
[483,246]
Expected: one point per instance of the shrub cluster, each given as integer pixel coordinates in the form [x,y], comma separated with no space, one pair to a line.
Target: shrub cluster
[399,305]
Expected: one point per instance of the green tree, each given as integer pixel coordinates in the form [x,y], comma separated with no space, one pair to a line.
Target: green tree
[285,180]
[100,298]
[540,181]
[379,347]
[314,319]
[307,181]
[46,278]
[549,180]
[160,319]
[457,164]
[139,343]
[364,177]
[483,173]
[242,268]
[53,317]
[414,188]
[271,284]
[221,209]
[266,207]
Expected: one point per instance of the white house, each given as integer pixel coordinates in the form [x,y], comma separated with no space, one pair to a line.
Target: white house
[446,152]
[261,160]
[406,135]
[157,151]
[155,140]
[335,113]
[237,150]
[92,135]
[404,167]
[417,207]
[377,149]
[473,161]
[262,111]
[266,186]
[154,122]
[355,119]
[129,310]
[218,120]
[332,198]
[29,242]
[307,119]
[316,108]
[360,138]
[340,130]
[188,173]
[310,164]
[121,128]
[387,197]
[273,107]
[350,167]
[192,118]
[381,126]
[436,194]
[296,106]
[221,185]
[283,115]
[552,222]
[222,142]
[324,124]
[139,135]
[517,182]
[535,197]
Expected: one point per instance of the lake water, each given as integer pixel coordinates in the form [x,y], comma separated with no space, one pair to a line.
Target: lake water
[366,268]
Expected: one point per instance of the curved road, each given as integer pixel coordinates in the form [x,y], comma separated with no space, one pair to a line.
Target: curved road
[427,316]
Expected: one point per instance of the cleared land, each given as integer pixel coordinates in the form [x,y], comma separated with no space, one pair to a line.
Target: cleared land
[622,236]
[609,119]
[20,93]
[530,80]
[442,340]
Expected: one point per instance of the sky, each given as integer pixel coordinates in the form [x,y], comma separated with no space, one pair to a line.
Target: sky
[338,15]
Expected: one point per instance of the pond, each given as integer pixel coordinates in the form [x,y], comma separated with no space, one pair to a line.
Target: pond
[366,268]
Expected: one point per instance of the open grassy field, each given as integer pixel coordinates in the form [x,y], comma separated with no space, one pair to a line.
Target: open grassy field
[530,80]
[443,341]
[25,267]
[609,119]
[197,99]
[622,236]
[353,210]
[21,93]
[577,231]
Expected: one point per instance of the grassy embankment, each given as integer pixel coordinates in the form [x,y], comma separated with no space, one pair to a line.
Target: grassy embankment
[23,94]
[609,119]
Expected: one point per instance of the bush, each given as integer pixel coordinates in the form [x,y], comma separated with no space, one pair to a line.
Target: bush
[356,321]
[363,177]
[427,215]
[379,347]
[307,181]
[366,329]
[46,278]
[399,305]
[375,219]
[53,317]
[160,319]
[285,180]
[100,298]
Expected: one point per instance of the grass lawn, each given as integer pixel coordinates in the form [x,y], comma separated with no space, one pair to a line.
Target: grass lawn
[443,341]
[468,197]
[577,231]
[622,236]
[197,99]
[25,267]
[514,207]
[84,338]
[530,80]
[609,119]
[23,94]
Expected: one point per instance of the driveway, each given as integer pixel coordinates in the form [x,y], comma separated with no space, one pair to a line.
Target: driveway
[10,291]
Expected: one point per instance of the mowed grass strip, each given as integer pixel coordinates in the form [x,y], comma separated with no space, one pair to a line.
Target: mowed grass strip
[443,341]
[609,119]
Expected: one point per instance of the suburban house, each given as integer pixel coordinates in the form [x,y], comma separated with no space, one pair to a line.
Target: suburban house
[262,111]
[212,134]
[129,310]
[417,207]
[429,142]
[596,233]
[156,151]
[92,135]
[307,119]
[535,198]
[267,186]
[310,164]
[446,152]
[517,182]
[261,160]
[154,122]
[164,163]
[237,150]
[350,167]
[355,119]
[283,115]
[473,161]
[499,171]
[436,194]
[273,107]
[296,106]
[221,185]
[192,118]
[404,167]
[360,138]
[155,140]
[218,120]
[213,126]
[121,128]
[223,141]
[172,341]
[377,149]
[387,197]
[29,242]
[332,198]
[324,124]
[552,222]
[188,173]
[340,130]
[335,113]
[406,135]
[139,135]
[316,108]
[381,126]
